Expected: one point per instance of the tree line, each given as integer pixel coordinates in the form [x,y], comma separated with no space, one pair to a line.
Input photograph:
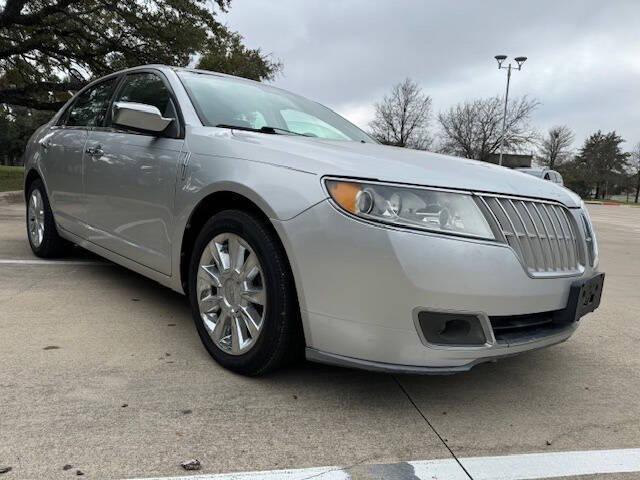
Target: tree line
[473,129]
[51,48]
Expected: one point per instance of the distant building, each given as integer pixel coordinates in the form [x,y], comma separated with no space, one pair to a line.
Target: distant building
[511,160]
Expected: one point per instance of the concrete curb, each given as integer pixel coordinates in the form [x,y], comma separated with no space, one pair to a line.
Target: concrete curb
[529,466]
[16,196]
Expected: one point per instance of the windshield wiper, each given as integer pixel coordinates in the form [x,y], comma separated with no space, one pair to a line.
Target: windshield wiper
[264,129]
[268,129]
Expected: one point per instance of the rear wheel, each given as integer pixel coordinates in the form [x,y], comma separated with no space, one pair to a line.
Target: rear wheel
[242,294]
[41,227]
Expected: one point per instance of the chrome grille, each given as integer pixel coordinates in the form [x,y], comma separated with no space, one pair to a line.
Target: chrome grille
[542,234]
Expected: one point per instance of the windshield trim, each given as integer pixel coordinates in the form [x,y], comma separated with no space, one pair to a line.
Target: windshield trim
[192,98]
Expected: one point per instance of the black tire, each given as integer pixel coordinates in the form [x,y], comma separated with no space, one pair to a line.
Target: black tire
[52,245]
[280,340]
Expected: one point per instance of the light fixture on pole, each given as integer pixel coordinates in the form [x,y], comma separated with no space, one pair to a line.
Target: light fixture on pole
[500,59]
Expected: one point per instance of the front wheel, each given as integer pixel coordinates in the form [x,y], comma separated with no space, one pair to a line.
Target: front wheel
[41,226]
[242,294]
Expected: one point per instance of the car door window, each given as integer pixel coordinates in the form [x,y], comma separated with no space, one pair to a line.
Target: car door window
[149,89]
[90,108]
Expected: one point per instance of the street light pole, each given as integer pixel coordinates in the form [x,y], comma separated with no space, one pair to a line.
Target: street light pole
[519,61]
[504,117]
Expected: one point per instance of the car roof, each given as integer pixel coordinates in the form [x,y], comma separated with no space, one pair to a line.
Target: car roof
[167,68]
[170,68]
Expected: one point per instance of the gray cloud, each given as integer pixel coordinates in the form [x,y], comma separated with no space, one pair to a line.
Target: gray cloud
[584,56]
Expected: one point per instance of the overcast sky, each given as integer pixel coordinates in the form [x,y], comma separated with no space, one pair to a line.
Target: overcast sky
[584,56]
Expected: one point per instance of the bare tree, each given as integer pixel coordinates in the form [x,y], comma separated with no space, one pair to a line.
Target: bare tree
[634,164]
[556,146]
[473,129]
[402,118]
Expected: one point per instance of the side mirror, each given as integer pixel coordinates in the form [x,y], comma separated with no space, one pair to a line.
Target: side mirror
[139,116]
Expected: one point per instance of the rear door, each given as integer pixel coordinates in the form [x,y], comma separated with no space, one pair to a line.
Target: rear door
[130,178]
[62,151]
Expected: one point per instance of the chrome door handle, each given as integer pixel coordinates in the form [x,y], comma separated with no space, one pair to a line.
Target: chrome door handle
[95,151]
[45,143]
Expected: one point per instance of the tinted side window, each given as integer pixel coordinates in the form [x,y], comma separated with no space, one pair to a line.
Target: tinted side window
[90,108]
[149,89]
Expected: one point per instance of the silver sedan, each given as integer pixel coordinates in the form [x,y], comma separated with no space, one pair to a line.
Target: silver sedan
[293,232]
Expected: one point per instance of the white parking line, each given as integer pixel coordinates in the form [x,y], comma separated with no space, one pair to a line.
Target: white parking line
[9,261]
[529,466]
[553,464]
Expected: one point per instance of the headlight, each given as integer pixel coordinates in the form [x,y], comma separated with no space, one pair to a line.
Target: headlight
[417,208]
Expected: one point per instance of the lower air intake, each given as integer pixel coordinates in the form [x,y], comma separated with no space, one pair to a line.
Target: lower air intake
[451,329]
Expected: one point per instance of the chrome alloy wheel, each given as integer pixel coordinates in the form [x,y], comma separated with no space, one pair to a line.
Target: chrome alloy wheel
[231,293]
[35,215]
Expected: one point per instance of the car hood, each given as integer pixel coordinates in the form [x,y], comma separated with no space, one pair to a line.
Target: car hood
[401,165]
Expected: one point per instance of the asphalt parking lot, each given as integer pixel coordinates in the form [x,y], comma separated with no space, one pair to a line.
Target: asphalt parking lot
[101,369]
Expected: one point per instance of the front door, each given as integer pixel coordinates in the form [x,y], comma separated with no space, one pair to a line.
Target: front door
[62,151]
[130,179]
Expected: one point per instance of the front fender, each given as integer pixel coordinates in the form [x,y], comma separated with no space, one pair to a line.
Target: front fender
[280,192]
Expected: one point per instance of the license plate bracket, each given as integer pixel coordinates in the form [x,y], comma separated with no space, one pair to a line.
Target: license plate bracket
[584,297]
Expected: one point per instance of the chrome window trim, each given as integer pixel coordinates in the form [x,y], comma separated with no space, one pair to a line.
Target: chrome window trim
[70,127]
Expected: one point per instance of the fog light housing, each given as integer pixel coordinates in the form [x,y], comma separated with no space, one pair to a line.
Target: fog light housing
[451,329]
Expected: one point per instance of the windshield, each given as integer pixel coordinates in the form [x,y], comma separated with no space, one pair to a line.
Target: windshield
[223,101]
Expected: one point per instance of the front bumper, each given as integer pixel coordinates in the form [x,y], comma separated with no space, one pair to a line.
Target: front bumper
[359,287]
